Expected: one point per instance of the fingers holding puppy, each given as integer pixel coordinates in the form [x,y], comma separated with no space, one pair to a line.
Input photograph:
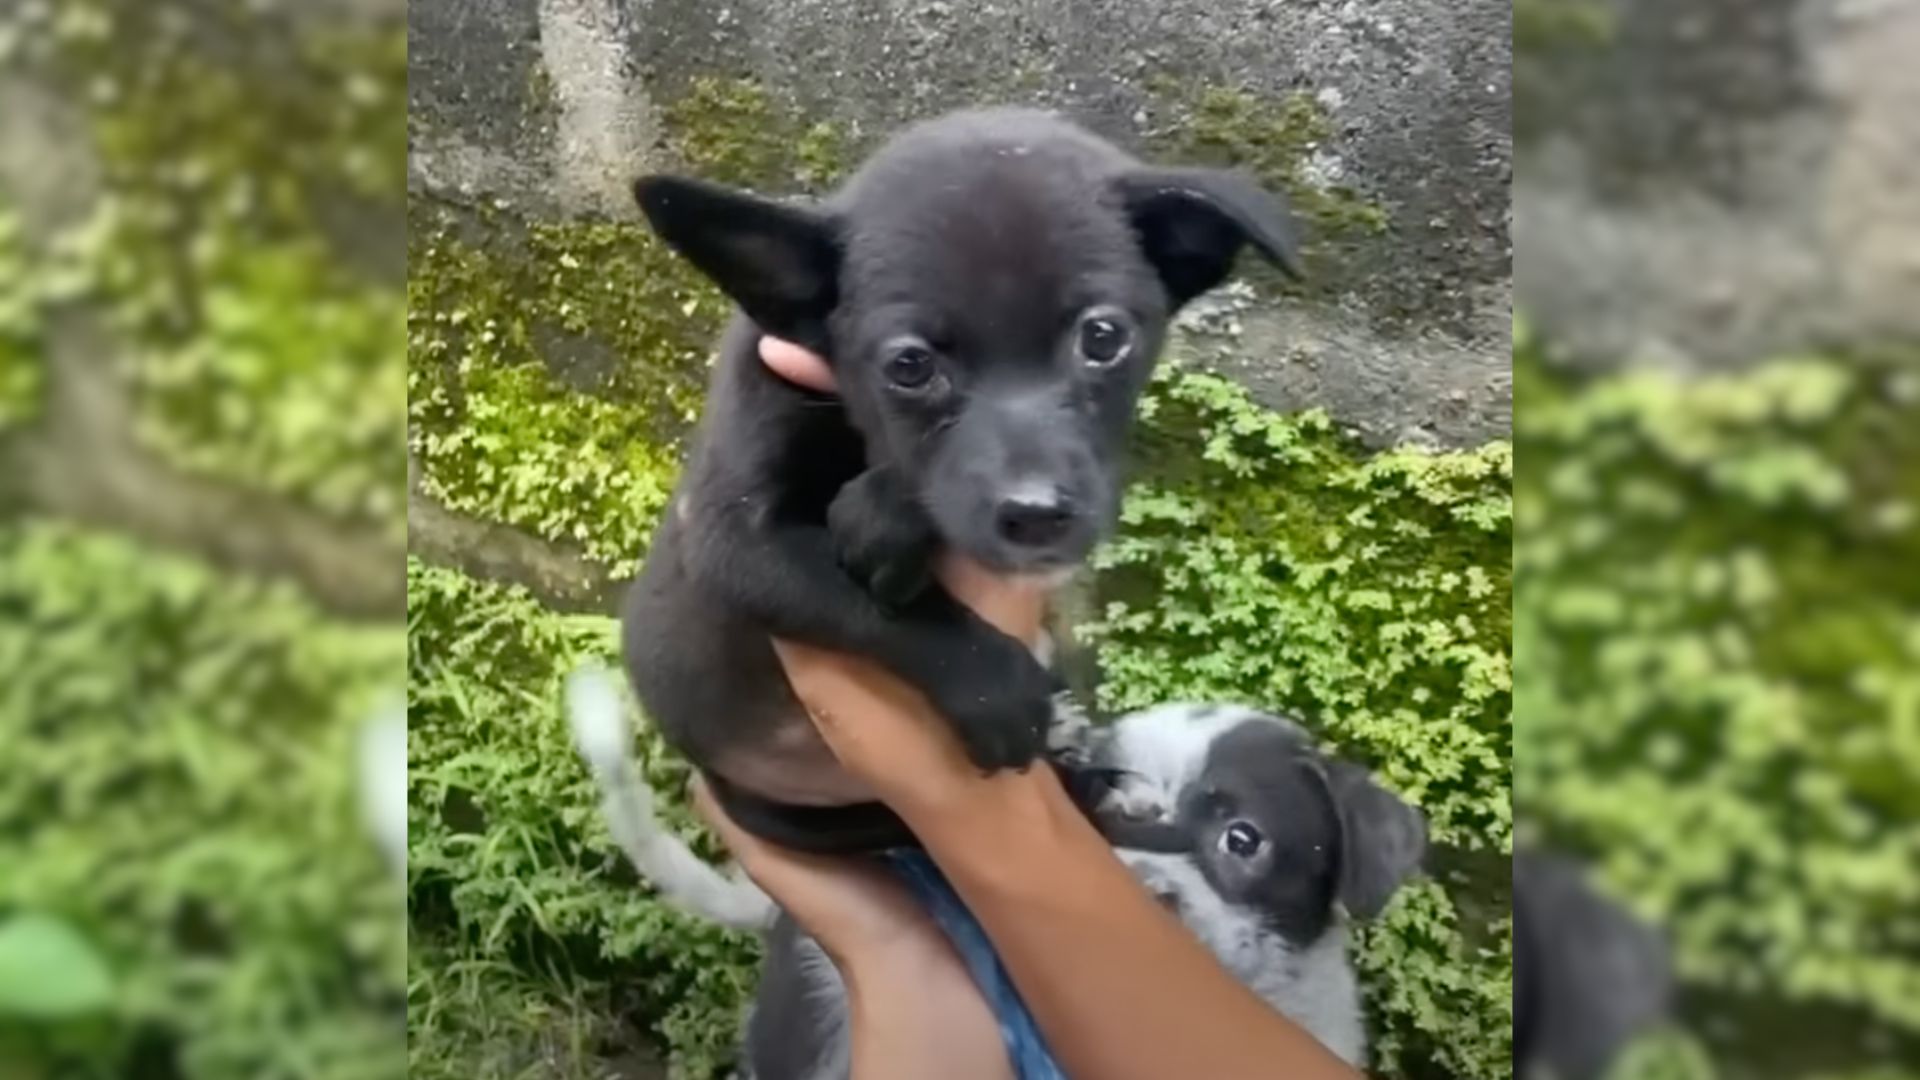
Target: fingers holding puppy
[995,708]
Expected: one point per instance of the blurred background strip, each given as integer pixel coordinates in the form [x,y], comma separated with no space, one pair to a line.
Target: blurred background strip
[1717,555]
[202,536]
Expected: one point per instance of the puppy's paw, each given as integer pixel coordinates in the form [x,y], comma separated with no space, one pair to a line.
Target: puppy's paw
[883,539]
[1000,710]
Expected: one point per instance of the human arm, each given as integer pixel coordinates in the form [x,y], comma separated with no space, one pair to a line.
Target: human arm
[1119,987]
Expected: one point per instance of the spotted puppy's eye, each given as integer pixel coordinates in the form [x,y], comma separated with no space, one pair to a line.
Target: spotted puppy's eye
[1104,337]
[910,365]
[1242,840]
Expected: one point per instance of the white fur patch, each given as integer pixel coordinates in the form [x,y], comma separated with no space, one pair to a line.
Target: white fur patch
[598,718]
[1165,748]
[383,782]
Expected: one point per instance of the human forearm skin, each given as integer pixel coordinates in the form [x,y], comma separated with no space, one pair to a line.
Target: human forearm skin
[1119,987]
[919,1017]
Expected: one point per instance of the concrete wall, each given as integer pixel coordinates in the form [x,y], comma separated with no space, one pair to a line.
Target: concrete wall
[550,107]
[1723,181]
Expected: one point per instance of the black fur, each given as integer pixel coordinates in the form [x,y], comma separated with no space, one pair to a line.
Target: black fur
[980,243]
[1587,976]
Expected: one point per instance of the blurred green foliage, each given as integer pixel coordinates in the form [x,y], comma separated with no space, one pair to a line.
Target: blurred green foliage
[179,788]
[1718,646]
[1542,24]
[180,792]
[240,163]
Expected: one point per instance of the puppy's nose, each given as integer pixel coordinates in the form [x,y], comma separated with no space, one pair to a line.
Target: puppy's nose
[1034,520]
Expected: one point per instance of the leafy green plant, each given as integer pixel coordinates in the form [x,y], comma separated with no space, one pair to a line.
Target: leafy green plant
[179,791]
[509,856]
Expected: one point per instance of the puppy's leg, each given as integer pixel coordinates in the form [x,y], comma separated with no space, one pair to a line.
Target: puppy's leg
[686,880]
[788,577]
[884,539]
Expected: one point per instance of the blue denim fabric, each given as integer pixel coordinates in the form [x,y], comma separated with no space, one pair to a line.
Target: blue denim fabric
[1025,1046]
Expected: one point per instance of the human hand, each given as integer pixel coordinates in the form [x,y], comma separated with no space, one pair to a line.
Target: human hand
[915,1008]
[860,914]
[885,732]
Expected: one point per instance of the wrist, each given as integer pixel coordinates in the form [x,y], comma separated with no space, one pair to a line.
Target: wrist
[994,821]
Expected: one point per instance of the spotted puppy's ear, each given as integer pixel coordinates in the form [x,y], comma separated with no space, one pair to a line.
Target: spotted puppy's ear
[779,262]
[1382,840]
[1192,223]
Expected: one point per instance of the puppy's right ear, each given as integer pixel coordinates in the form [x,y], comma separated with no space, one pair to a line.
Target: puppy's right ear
[1193,222]
[780,263]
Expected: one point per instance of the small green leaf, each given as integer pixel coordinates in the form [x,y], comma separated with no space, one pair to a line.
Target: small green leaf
[48,971]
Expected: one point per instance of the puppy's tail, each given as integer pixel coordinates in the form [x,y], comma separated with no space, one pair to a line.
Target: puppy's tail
[687,881]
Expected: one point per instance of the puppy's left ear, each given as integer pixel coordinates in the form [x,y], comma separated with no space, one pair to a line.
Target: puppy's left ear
[1193,222]
[1383,839]
[779,262]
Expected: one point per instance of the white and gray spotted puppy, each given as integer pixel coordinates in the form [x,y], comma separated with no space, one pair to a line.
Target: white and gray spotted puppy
[1257,841]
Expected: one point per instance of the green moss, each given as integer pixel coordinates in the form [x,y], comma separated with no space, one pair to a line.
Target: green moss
[734,131]
[553,372]
[1544,24]
[259,351]
[1273,139]
[1720,629]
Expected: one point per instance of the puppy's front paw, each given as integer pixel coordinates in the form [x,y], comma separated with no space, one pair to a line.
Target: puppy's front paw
[1001,711]
[884,541]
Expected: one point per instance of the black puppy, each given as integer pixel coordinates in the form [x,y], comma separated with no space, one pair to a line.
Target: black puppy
[991,291]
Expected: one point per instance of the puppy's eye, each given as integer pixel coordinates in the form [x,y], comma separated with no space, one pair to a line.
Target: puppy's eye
[911,367]
[1242,840]
[1104,339]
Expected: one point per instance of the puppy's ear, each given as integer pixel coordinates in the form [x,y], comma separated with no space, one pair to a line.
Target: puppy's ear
[1382,839]
[780,263]
[1192,222]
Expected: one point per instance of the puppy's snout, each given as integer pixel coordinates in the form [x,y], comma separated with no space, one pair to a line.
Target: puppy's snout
[1038,520]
